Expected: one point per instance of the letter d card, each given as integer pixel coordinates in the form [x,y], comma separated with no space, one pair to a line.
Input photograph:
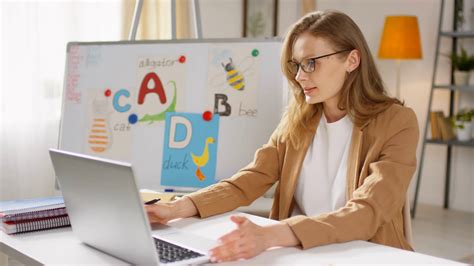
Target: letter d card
[190,150]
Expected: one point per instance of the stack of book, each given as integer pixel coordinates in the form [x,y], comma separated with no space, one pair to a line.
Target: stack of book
[18,216]
[441,128]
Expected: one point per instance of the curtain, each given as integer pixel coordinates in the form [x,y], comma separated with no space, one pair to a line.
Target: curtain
[155,19]
[33,49]
[183,15]
[307,6]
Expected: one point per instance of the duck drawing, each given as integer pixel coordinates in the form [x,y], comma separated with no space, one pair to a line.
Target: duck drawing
[201,161]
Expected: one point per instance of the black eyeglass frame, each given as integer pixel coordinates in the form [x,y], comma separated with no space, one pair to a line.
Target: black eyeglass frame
[313,59]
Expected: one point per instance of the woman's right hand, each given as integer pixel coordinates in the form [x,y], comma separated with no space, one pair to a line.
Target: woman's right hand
[164,212]
[160,212]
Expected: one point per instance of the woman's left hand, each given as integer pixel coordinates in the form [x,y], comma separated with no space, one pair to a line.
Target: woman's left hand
[247,241]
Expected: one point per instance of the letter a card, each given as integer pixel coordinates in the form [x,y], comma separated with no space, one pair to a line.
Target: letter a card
[190,150]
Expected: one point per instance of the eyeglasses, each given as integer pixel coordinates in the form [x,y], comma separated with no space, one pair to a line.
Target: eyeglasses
[308,65]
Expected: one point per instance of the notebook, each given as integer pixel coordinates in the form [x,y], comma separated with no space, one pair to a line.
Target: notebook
[40,223]
[26,215]
[107,213]
[28,205]
[18,217]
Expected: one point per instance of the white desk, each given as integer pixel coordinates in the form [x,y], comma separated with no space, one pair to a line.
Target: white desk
[59,246]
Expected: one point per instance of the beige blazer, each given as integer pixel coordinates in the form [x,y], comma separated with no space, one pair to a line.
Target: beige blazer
[381,163]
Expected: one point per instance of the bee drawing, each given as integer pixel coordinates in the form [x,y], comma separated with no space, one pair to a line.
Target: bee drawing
[234,78]
[233,74]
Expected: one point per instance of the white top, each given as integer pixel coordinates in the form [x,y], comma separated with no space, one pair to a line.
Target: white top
[321,186]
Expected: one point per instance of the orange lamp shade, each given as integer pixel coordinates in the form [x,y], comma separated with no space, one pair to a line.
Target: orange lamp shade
[400,38]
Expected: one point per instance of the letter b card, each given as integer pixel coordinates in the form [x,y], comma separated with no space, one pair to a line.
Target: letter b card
[189,150]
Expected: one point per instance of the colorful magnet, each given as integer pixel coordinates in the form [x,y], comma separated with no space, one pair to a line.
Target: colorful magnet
[207,116]
[255,52]
[182,59]
[107,93]
[132,119]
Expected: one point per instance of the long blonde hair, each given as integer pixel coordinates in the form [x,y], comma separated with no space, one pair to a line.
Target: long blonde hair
[363,94]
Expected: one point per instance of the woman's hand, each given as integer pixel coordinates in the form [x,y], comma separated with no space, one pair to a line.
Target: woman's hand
[164,212]
[160,212]
[249,240]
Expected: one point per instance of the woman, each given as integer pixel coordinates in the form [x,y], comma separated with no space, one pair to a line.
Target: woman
[343,154]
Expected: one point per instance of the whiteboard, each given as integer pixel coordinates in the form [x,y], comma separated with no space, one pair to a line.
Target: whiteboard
[104,77]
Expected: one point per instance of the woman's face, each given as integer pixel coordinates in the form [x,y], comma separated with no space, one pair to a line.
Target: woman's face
[325,82]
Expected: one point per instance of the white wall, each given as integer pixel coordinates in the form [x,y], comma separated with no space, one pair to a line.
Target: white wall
[415,75]
[221,18]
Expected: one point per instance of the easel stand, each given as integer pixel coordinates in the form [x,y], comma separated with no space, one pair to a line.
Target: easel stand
[196,15]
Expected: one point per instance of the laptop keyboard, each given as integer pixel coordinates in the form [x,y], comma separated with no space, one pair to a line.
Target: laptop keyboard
[170,253]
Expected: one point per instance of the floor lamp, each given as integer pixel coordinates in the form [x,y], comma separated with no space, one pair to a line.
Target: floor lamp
[400,40]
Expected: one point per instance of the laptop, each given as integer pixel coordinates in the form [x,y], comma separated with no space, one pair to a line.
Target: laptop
[106,212]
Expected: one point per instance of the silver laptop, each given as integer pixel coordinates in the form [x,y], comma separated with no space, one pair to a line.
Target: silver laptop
[106,212]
